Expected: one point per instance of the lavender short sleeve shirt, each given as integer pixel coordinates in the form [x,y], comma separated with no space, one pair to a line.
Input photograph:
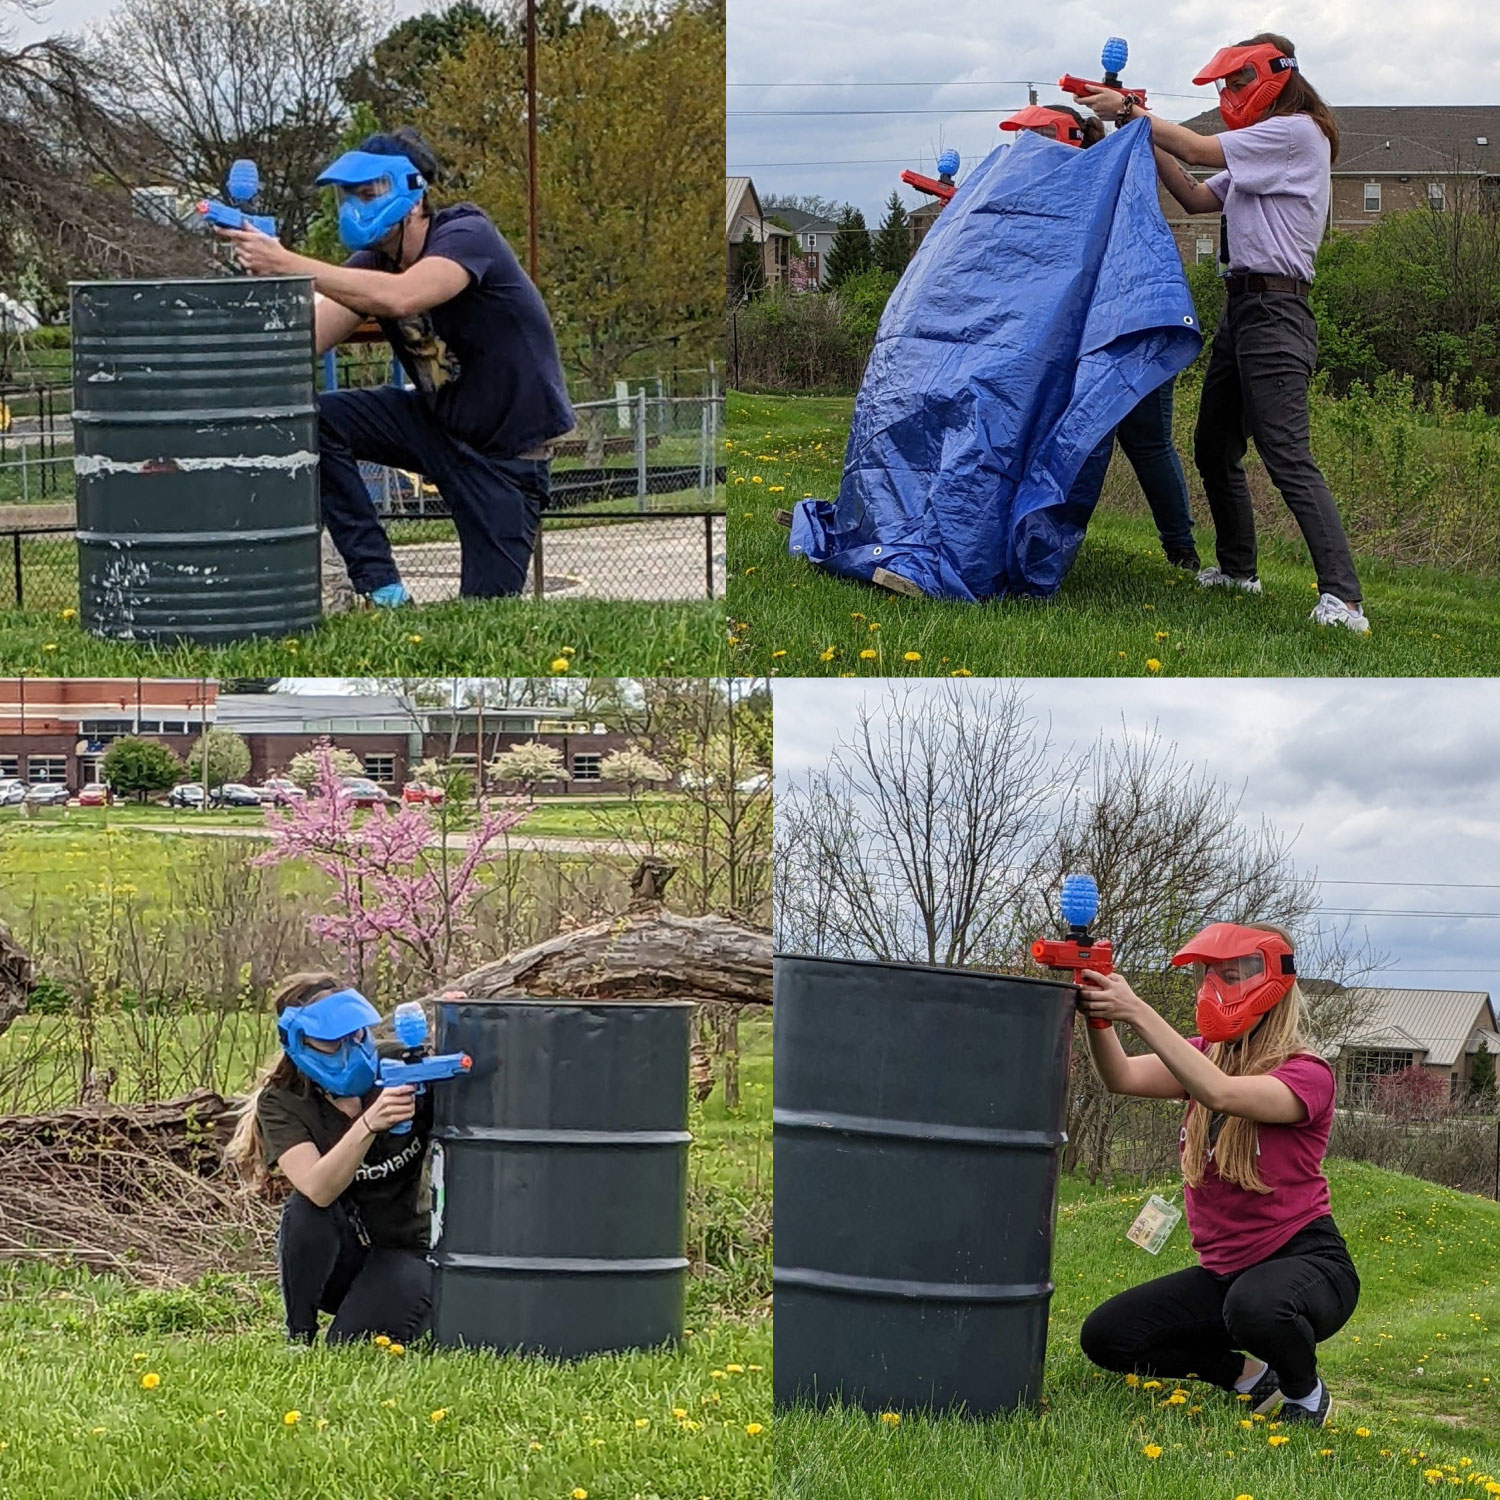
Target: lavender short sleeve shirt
[1275,195]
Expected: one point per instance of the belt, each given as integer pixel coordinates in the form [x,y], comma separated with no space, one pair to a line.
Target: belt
[1238,283]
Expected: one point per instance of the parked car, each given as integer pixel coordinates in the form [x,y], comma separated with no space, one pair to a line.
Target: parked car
[96,794]
[361,791]
[422,791]
[46,794]
[280,792]
[189,794]
[234,794]
[12,791]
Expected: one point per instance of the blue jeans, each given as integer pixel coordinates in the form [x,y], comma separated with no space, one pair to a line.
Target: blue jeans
[1145,436]
[496,502]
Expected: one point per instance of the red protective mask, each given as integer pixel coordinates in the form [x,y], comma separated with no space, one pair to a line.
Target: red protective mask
[1054,122]
[1248,104]
[1246,972]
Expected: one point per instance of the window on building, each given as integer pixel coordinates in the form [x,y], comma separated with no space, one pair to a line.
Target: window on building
[1372,197]
[101,729]
[10,767]
[47,768]
[586,767]
[1364,1066]
[1437,196]
[1205,249]
[812,242]
[380,767]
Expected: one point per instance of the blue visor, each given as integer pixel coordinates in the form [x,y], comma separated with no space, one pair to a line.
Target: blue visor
[355,168]
[338,1015]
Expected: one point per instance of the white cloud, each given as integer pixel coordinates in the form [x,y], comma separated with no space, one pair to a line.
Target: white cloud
[1375,53]
[1382,780]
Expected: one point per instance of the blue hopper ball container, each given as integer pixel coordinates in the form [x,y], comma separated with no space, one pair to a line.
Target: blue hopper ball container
[1080,900]
[1115,54]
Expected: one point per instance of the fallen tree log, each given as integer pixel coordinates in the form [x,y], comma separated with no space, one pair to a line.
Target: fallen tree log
[189,1132]
[646,954]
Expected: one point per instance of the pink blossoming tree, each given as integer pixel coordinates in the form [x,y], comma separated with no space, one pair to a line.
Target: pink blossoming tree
[403,881]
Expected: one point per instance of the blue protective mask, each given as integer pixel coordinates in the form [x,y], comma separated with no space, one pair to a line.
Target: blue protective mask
[366,217]
[350,1070]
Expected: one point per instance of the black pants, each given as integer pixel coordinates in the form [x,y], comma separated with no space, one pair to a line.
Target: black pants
[1197,1322]
[496,502]
[369,1290]
[1265,350]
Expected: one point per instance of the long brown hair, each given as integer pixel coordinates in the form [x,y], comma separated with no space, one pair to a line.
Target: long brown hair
[1278,1037]
[1299,97]
[246,1150]
[1092,126]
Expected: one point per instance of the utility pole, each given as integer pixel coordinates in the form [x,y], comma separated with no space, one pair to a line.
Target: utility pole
[203,737]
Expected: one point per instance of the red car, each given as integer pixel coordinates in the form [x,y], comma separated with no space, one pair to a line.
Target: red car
[95,794]
[422,791]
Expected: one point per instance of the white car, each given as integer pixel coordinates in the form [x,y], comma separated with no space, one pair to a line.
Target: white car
[12,791]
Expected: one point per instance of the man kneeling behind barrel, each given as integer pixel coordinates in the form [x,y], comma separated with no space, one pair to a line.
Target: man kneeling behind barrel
[473,335]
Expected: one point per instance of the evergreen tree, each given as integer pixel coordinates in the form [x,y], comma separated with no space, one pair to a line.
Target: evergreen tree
[893,242]
[851,252]
[750,268]
[1482,1078]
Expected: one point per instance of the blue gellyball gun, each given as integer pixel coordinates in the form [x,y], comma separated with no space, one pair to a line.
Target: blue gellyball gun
[417,1066]
[1078,951]
[242,187]
[1113,60]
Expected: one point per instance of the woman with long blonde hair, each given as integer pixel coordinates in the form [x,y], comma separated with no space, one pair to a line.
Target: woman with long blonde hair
[1274,1277]
[353,1233]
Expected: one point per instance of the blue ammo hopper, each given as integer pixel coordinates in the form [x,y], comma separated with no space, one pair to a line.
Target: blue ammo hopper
[918,1123]
[196,458]
[559,1176]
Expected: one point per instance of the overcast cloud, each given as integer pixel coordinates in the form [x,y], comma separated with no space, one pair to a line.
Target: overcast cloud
[1373,52]
[1381,781]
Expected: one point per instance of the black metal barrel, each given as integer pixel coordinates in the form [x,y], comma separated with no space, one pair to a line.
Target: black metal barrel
[918,1125]
[560,1176]
[196,458]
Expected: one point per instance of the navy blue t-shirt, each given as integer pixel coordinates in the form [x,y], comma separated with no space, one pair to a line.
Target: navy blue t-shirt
[486,361]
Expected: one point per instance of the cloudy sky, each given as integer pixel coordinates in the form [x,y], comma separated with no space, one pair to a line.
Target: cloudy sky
[1392,788]
[957,67]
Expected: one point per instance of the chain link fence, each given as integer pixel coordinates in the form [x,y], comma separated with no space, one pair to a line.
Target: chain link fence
[636,509]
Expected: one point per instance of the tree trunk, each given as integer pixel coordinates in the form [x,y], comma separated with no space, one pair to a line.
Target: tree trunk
[189,1131]
[17,977]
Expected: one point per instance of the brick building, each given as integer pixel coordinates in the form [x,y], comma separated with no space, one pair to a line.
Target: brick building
[1438,1031]
[742,216]
[58,729]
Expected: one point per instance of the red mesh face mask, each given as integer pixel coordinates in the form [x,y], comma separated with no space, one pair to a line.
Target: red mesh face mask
[1057,123]
[1248,104]
[1246,972]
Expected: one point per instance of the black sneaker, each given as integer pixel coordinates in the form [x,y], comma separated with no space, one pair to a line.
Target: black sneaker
[1291,1412]
[1263,1395]
[1187,560]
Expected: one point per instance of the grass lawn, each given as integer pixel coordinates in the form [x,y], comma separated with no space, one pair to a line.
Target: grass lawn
[80,1424]
[501,637]
[1426,1257]
[1120,608]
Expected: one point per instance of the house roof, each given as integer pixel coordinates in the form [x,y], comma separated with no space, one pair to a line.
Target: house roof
[734,195]
[760,230]
[798,220]
[1404,139]
[1438,1022]
[1489,1040]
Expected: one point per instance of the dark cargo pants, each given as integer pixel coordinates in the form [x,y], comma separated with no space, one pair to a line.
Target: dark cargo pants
[1265,350]
[496,502]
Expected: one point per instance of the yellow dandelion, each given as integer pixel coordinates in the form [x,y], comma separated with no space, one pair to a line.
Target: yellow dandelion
[1151,1450]
[70,614]
[389,1401]
[740,1370]
[961,672]
[1277,1439]
[560,664]
[1161,635]
[291,1418]
[777,654]
[891,1418]
[382,1342]
[755,479]
[150,1380]
[679,1412]
[868,654]
[440,1413]
[775,489]
[1361,1432]
[641,1423]
[1152,665]
[397,1349]
[754,1429]
[1132,1380]
[1151,1385]
[825,655]
[580,1494]
[50,646]
[912,656]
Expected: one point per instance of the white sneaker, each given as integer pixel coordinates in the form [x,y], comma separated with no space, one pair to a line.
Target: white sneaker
[1213,578]
[1331,611]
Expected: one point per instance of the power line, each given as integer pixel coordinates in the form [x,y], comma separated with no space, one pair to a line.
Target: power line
[1430,885]
[1329,911]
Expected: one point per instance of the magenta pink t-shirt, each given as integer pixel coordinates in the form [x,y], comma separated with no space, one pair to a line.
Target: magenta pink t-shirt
[1233,1228]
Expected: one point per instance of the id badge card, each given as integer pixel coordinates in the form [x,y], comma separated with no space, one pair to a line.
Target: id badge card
[1154,1224]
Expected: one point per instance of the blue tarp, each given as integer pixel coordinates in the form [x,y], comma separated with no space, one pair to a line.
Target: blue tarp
[1045,302]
